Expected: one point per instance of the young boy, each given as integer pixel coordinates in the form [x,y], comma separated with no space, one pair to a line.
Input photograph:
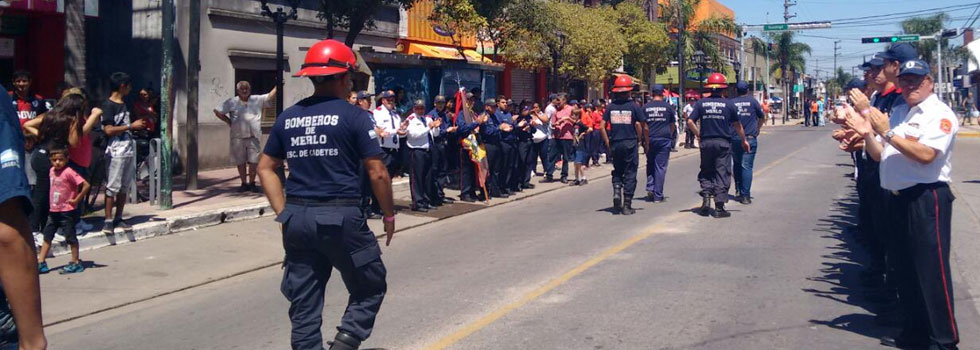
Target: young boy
[119,154]
[582,127]
[65,195]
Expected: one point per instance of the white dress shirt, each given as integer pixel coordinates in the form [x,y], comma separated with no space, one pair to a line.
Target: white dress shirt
[390,122]
[931,123]
[419,133]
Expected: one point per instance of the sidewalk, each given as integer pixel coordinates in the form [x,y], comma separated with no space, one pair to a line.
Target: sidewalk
[220,202]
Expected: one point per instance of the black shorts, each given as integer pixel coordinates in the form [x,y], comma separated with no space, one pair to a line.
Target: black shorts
[64,220]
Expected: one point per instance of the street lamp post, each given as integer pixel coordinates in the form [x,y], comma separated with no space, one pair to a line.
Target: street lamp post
[280,17]
[556,56]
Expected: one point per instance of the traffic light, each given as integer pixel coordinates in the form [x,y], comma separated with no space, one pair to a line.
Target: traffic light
[889,39]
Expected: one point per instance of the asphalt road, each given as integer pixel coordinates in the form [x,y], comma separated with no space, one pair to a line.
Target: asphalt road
[559,271]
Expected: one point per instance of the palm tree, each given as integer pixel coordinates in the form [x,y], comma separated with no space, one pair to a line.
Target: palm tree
[789,61]
[757,45]
[927,26]
[702,37]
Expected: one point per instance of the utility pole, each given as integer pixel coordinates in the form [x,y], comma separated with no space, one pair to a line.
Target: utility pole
[786,5]
[681,76]
[166,100]
[835,57]
[193,75]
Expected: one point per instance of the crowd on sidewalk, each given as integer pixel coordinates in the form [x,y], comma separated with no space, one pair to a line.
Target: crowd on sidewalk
[74,144]
[900,136]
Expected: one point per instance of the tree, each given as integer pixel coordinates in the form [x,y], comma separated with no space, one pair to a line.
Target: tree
[835,86]
[460,18]
[702,34]
[927,26]
[646,41]
[354,15]
[757,45]
[595,42]
[789,60]
[497,23]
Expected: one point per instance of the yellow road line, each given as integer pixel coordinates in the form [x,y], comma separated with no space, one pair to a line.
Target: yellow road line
[968,134]
[497,314]
[565,277]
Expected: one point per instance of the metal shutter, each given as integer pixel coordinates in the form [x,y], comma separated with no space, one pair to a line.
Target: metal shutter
[522,86]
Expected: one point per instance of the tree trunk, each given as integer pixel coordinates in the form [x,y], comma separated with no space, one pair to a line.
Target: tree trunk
[356,26]
[75,42]
[330,25]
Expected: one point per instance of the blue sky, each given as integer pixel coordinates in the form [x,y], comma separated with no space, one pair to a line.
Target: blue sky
[851,50]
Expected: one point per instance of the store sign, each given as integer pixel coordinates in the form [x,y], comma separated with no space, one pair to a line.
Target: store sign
[6,48]
[53,6]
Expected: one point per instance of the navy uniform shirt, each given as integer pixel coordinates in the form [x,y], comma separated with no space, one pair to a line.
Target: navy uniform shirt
[14,184]
[749,113]
[324,140]
[444,116]
[716,115]
[464,129]
[490,131]
[504,118]
[660,116]
[621,116]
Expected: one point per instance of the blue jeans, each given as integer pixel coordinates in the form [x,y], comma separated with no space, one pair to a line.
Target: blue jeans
[657,156]
[743,163]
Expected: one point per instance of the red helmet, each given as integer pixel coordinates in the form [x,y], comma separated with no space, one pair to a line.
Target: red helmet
[623,84]
[327,57]
[716,81]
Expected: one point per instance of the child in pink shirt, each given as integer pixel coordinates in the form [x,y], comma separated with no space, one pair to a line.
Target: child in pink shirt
[64,195]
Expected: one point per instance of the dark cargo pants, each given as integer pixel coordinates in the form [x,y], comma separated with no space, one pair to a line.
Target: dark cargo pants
[318,239]
[716,172]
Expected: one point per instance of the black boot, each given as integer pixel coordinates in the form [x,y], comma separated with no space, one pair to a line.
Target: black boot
[628,206]
[720,211]
[705,208]
[617,199]
[344,341]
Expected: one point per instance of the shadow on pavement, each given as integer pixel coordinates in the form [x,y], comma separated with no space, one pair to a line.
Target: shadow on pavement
[841,268]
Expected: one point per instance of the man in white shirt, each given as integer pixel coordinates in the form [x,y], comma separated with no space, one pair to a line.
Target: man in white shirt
[547,160]
[387,119]
[421,132]
[688,134]
[915,149]
[243,113]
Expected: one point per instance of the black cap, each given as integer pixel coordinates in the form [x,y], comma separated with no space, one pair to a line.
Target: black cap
[900,52]
[387,94]
[552,97]
[588,105]
[914,67]
[363,95]
[469,96]
[573,102]
[440,99]
[856,83]
[490,102]
[477,90]
[657,89]
[419,103]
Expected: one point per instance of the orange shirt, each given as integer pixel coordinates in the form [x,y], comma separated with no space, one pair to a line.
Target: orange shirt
[813,107]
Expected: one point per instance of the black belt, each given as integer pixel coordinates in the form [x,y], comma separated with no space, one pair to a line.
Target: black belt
[323,202]
[918,189]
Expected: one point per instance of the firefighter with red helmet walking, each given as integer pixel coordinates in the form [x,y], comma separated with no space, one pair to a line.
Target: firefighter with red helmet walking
[627,132]
[326,140]
[719,121]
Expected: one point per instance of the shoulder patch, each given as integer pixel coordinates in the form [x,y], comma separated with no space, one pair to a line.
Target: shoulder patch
[9,158]
[946,126]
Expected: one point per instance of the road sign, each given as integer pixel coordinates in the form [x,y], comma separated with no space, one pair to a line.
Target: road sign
[779,27]
[889,39]
[775,27]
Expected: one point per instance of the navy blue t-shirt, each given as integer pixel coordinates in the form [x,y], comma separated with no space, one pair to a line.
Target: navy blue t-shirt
[660,116]
[490,130]
[621,116]
[504,118]
[14,184]
[324,140]
[716,115]
[749,112]
[444,116]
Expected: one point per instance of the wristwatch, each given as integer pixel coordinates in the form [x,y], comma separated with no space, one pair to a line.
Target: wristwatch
[888,135]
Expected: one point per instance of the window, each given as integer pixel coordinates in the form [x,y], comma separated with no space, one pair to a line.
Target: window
[262,82]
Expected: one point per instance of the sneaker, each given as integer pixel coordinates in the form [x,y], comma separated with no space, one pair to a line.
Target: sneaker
[107,227]
[584,182]
[43,267]
[72,268]
[243,188]
[252,187]
[120,223]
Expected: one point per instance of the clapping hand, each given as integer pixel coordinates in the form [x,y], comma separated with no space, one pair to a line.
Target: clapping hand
[856,122]
[860,101]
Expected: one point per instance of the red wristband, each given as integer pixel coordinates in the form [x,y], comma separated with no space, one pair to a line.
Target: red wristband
[389,218]
[866,111]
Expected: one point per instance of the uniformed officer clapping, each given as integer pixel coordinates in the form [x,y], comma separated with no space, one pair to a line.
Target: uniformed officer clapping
[325,140]
[914,146]
[718,118]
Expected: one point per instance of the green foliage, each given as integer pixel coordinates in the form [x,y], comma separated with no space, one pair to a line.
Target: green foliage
[926,26]
[788,55]
[354,15]
[460,17]
[595,42]
[702,38]
[646,41]
[836,85]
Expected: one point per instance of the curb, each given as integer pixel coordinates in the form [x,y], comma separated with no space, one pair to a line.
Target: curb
[162,227]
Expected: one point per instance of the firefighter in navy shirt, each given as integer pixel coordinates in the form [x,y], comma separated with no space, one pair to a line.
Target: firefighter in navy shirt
[325,140]
[718,118]
[661,118]
[752,118]
[627,131]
